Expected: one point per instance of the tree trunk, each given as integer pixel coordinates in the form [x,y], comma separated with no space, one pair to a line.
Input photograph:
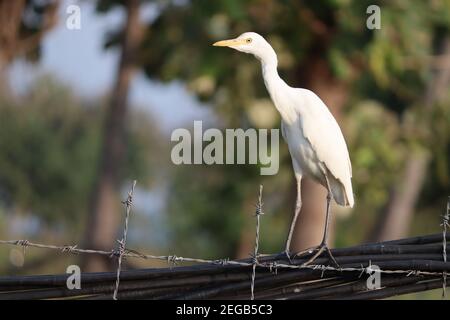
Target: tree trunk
[11,13]
[246,242]
[396,220]
[4,82]
[104,210]
[12,41]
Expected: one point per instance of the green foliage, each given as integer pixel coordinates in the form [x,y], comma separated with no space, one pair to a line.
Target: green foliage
[377,150]
[201,219]
[50,143]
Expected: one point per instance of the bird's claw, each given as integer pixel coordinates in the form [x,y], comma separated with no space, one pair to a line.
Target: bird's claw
[306,252]
[290,256]
[320,249]
[287,254]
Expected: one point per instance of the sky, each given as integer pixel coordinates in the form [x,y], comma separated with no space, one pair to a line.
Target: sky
[77,58]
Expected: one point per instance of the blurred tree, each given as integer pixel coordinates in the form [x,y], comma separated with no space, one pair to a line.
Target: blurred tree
[48,142]
[397,218]
[23,24]
[53,181]
[103,219]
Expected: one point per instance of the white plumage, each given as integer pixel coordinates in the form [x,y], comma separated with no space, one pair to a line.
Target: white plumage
[317,145]
[315,141]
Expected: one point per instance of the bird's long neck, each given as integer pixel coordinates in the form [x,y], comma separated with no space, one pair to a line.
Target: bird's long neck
[275,85]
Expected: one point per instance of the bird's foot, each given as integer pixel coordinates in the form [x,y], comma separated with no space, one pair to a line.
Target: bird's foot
[286,254]
[319,250]
[306,252]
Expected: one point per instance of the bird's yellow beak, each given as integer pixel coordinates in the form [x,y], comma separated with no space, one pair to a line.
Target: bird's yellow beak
[229,43]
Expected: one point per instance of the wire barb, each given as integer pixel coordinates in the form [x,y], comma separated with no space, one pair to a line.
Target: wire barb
[122,243]
[172,260]
[273,267]
[69,249]
[24,244]
[222,262]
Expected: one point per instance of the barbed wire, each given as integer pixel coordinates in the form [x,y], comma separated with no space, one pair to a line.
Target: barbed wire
[271,266]
[254,262]
[123,241]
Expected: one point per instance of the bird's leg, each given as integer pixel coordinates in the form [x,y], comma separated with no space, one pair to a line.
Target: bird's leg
[324,244]
[327,220]
[298,207]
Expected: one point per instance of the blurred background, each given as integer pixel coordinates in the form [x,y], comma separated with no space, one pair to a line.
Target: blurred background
[84,111]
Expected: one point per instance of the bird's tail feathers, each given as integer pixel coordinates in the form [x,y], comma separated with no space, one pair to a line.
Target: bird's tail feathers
[342,192]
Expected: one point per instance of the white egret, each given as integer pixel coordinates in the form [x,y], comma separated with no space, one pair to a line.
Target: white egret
[315,141]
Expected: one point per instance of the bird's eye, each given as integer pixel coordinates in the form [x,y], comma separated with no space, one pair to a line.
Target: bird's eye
[249,40]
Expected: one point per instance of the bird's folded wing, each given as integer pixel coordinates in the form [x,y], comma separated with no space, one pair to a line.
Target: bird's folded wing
[326,138]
